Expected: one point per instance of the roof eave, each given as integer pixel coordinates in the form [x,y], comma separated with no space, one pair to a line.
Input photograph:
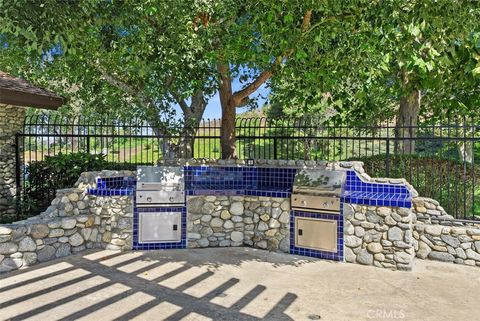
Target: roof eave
[17,98]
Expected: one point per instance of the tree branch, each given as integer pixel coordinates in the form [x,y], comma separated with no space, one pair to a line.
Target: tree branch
[306,20]
[239,96]
[181,102]
[309,28]
[137,93]
[114,81]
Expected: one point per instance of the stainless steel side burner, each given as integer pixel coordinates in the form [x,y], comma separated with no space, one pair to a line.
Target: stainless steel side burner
[318,190]
[160,186]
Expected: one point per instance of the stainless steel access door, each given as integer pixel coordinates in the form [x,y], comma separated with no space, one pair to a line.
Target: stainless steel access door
[316,234]
[160,227]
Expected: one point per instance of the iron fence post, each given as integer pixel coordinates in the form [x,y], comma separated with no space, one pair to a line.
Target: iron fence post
[192,143]
[88,144]
[18,183]
[387,158]
[275,156]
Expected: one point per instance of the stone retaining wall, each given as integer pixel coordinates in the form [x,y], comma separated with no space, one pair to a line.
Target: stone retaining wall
[74,222]
[456,244]
[385,237]
[380,236]
[429,211]
[11,123]
[438,236]
[261,222]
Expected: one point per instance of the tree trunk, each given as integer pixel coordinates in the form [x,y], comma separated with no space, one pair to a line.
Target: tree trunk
[466,148]
[181,146]
[192,117]
[465,151]
[227,129]
[405,129]
[164,144]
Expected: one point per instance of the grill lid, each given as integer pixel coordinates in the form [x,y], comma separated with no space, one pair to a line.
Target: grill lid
[319,182]
[318,190]
[168,178]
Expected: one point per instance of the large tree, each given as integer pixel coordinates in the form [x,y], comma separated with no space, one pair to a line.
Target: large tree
[159,52]
[255,41]
[395,53]
[365,56]
[130,59]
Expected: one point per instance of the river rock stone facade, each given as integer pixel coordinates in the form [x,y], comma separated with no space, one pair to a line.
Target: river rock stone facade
[439,237]
[380,236]
[219,221]
[75,221]
[386,237]
[11,123]
[429,211]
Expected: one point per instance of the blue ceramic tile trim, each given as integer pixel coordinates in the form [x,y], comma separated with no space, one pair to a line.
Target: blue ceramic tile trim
[338,256]
[165,245]
[357,191]
[114,186]
[223,192]
[111,191]
[260,181]
[266,193]
[253,181]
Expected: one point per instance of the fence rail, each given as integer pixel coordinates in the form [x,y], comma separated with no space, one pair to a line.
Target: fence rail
[438,157]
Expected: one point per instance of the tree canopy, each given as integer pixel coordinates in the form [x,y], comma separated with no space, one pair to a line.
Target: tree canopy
[393,50]
[369,60]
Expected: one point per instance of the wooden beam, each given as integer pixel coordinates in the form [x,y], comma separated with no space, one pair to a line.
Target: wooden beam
[19,98]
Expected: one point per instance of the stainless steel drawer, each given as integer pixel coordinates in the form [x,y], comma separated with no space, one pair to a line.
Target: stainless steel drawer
[160,227]
[316,234]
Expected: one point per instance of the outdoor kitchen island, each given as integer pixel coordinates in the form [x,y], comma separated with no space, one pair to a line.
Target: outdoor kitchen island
[237,205]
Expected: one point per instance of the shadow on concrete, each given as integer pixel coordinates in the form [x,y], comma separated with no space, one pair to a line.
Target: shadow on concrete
[242,255]
[156,285]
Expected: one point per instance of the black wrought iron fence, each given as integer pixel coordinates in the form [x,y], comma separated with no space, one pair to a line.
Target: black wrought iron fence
[438,157]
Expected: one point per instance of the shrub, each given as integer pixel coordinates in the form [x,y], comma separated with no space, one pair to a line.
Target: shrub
[63,170]
[43,178]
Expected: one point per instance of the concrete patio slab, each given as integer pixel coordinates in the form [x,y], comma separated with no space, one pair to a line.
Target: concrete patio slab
[234,284]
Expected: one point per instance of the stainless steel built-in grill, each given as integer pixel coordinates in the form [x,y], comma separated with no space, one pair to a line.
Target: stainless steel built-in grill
[317,191]
[160,187]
